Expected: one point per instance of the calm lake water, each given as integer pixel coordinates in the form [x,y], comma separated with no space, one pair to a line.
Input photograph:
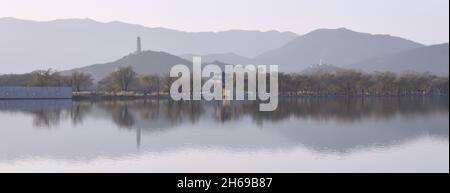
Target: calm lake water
[303,135]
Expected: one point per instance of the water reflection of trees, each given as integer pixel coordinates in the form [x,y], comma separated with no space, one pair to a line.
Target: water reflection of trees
[160,114]
[163,115]
[122,116]
[46,119]
[79,111]
[348,109]
[146,116]
[46,113]
[167,113]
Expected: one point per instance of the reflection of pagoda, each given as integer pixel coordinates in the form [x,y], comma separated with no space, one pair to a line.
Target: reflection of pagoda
[138,138]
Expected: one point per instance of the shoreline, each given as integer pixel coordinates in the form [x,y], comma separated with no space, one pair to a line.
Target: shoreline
[167,97]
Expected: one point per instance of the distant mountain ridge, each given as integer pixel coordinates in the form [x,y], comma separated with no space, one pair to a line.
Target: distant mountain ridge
[229,58]
[433,59]
[340,47]
[347,49]
[69,43]
[146,62]
[72,43]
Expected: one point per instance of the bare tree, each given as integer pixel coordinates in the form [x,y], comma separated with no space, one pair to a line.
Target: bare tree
[167,82]
[80,79]
[150,83]
[343,82]
[47,78]
[123,77]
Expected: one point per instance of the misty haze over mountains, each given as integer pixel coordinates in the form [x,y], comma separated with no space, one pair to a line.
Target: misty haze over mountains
[339,47]
[71,43]
[434,59]
[229,58]
[79,43]
[146,62]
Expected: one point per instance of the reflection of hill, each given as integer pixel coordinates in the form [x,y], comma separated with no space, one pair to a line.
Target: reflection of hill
[151,115]
[320,124]
[336,124]
[344,109]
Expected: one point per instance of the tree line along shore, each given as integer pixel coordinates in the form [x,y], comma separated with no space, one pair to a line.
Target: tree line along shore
[127,83]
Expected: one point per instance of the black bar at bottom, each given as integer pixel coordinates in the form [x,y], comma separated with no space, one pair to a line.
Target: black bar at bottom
[229,182]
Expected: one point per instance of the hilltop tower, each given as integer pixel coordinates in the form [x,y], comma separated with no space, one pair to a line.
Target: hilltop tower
[139,48]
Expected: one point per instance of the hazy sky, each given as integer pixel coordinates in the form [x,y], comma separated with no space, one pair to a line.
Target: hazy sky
[425,21]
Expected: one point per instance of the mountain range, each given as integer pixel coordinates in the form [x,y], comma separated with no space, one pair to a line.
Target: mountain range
[229,58]
[69,43]
[433,59]
[75,42]
[344,48]
[341,47]
[146,62]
